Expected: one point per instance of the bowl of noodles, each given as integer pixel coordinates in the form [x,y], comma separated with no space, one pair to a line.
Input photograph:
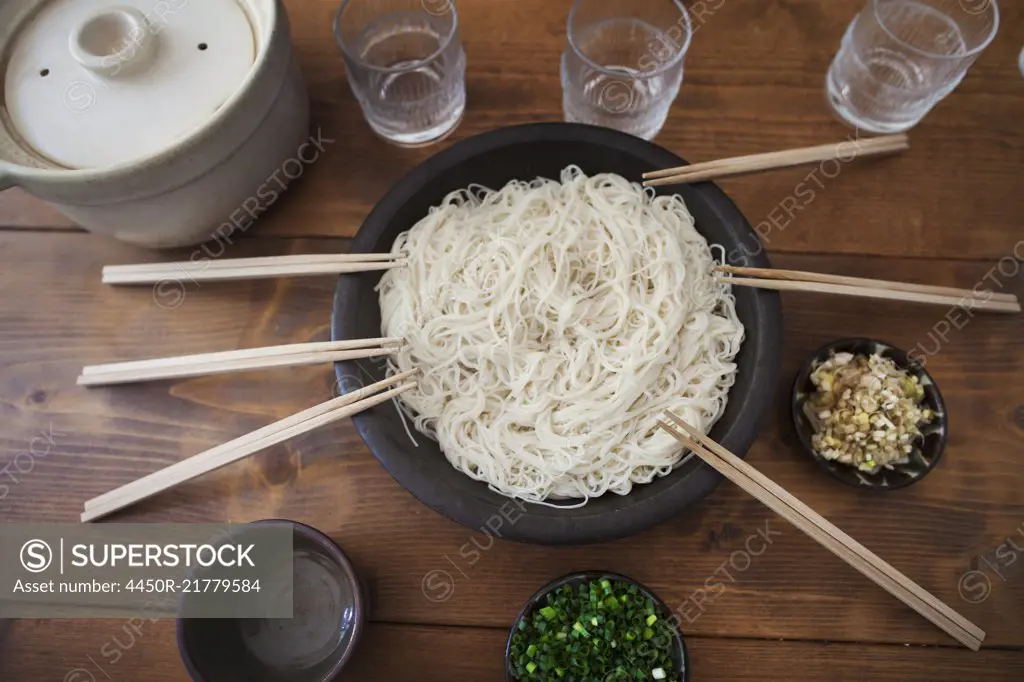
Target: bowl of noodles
[554,310]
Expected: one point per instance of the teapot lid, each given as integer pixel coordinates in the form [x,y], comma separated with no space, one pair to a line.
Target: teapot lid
[91,86]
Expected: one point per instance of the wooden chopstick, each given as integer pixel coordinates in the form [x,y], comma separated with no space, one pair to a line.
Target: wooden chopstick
[235,361]
[225,270]
[262,351]
[748,470]
[755,163]
[802,276]
[828,535]
[191,266]
[250,438]
[786,158]
[869,292]
[234,450]
[171,479]
[821,152]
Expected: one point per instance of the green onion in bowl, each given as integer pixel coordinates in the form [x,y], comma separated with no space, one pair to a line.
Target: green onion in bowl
[594,627]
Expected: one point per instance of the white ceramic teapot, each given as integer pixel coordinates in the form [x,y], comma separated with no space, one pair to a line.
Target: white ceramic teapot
[152,121]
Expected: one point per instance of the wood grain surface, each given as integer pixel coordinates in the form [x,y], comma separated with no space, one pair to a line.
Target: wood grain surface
[113,651]
[754,83]
[423,569]
[947,212]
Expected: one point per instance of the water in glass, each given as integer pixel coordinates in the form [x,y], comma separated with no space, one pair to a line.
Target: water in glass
[407,69]
[621,95]
[899,58]
[623,63]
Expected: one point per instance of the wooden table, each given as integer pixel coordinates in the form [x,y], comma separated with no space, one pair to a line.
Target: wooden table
[947,212]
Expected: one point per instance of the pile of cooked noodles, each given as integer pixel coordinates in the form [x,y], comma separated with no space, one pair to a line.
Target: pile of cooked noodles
[553,322]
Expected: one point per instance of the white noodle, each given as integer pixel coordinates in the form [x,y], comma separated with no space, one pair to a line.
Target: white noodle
[553,323]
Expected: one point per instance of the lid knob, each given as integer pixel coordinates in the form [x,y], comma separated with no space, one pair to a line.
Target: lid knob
[113,41]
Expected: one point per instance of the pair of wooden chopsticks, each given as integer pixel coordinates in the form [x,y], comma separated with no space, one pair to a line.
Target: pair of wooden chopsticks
[250,268]
[232,451]
[236,361]
[796,280]
[755,163]
[829,536]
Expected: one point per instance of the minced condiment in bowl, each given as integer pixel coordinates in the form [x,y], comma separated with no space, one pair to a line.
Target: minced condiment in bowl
[848,382]
[866,412]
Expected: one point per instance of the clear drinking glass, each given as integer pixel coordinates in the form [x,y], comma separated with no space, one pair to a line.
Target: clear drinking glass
[623,63]
[405,65]
[901,57]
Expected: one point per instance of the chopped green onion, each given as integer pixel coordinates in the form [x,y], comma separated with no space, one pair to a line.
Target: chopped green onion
[597,631]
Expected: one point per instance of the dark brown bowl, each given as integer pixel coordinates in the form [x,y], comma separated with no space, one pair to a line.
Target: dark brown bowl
[927,450]
[679,659]
[526,152]
[330,615]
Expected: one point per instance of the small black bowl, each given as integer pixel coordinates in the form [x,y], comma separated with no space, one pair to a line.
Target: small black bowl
[313,646]
[679,659]
[927,451]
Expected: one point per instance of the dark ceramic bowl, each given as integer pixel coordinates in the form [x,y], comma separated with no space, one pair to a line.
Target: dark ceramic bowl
[927,450]
[313,646]
[526,152]
[679,659]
